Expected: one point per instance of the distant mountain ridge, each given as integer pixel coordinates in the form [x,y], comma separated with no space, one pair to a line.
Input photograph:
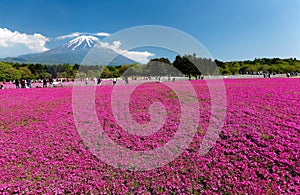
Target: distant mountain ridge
[72,52]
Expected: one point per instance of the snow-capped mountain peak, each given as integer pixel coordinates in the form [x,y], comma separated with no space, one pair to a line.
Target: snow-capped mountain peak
[72,52]
[81,42]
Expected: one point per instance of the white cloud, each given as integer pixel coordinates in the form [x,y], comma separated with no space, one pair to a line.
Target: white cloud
[10,39]
[102,34]
[138,56]
[77,34]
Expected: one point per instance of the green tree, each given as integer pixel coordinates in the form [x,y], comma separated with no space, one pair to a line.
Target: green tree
[8,72]
[44,75]
[26,73]
[158,66]
[81,75]
[234,67]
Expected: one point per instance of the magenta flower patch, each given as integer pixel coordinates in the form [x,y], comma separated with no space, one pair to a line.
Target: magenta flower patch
[257,151]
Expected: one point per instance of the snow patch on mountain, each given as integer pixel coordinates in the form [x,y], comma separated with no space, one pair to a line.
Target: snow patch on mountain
[82,42]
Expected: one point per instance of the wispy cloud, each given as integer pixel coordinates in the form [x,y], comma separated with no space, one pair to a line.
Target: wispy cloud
[10,39]
[77,34]
[138,56]
[101,34]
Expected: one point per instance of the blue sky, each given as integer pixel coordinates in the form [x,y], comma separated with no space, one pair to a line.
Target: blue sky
[230,30]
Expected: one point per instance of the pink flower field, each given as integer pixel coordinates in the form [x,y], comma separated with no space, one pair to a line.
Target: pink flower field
[257,152]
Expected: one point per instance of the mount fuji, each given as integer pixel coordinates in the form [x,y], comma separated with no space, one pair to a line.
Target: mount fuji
[80,43]
[72,52]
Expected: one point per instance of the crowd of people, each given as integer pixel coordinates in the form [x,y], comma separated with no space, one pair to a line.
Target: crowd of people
[27,83]
[97,81]
[23,83]
[292,74]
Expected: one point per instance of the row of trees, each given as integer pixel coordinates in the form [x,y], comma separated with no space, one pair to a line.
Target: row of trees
[193,65]
[10,71]
[189,65]
[267,65]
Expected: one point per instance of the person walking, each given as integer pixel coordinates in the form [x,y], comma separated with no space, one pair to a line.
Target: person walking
[86,81]
[99,81]
[114,81]
[29,83]
[51,82]
[44,83]
[23,84]
[2,85]
[17,83]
